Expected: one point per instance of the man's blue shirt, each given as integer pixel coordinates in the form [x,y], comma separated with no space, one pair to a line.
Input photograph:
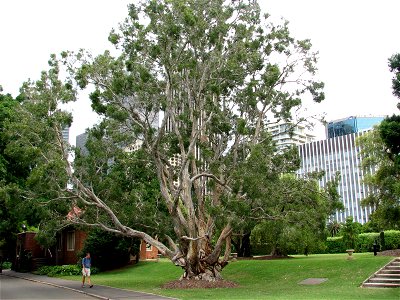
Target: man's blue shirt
[86,262]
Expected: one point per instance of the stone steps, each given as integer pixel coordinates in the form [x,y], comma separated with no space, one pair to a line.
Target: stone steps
[389,275]
[386,277]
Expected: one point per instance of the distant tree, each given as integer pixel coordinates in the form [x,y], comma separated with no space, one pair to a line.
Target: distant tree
[394,66]
[302,209]
[389,131]
[334,228]
[381,166]
[350,232]
[380,150]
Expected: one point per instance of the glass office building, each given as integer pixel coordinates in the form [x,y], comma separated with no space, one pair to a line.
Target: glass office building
[350,125]
[339,154]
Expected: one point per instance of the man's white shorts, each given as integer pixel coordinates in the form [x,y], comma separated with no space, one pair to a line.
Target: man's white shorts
[86,272]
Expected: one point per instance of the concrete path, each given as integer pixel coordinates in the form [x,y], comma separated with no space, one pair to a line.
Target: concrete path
[12,288]
[98,291]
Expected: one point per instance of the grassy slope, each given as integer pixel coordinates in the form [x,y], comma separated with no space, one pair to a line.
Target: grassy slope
[276,279]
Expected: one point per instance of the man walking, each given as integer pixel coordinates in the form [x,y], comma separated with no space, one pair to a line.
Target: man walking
[86,263]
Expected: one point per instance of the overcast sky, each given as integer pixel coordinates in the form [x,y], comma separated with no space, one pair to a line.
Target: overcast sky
[354,39]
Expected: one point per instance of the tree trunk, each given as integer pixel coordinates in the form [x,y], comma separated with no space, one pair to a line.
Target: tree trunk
[242,245]
[197,264]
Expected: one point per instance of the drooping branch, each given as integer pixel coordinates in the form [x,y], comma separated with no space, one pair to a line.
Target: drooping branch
[92,199]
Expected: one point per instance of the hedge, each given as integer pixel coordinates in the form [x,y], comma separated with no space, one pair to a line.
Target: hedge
[365,242]
[392,239]
[64,270]
[335,245]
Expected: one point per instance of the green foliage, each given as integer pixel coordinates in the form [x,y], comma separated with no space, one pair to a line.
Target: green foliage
[6,265]
[294,210]
[389,131]
[392,239]
[335,245]
[394,66]
[64,270]
[350,232]
[109,251]
[384,183]
[365,241]
[15,208]
[334,228]
[279,238]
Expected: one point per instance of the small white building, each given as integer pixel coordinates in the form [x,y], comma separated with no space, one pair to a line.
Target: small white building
[287,134]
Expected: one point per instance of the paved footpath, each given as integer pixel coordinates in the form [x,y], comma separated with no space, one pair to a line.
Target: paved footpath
[98,291]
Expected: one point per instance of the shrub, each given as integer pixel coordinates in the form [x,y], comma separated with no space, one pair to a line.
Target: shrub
[365,241]
[6,265]
[392,239]
[350,232]
[335,245]
[64,270]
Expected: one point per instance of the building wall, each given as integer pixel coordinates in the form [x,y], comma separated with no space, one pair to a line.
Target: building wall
[147,251]
[350,125]
[66,254]
[65,134]
[339,154]
[26,241]
[287,134]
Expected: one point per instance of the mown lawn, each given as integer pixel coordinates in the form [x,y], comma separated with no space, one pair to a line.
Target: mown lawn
[268,279]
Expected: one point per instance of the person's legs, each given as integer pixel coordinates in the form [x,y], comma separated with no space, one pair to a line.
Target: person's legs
[89,282]
[84,275]
[88,277]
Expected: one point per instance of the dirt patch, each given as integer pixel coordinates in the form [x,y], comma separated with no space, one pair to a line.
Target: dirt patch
[395,252]
[199,284]
[313,281]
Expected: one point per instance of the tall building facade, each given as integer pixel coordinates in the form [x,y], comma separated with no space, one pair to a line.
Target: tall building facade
[287,134]
[80,143]
[350,125]
[339,154]
[65,134]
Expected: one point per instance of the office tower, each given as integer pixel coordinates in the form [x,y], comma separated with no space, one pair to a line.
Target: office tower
[339,153]
[351,124]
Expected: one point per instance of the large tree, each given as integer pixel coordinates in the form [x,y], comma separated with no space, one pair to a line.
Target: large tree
[380,150]
[381,166]
[195,86]
[15,210]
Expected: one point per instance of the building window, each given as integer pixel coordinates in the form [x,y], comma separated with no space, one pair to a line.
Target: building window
[149,247]
[71,241]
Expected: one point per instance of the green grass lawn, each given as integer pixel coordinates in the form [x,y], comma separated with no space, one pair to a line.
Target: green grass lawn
[268,279]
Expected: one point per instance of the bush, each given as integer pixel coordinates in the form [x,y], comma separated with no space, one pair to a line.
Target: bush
[64,270]
[392,239]
[335,245]
[365,241]
[6,265]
